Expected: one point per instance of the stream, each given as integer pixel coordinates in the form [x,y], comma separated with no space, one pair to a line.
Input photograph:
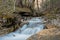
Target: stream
[34,25]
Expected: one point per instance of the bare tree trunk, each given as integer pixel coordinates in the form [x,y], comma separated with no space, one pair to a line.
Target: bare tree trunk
[37,5]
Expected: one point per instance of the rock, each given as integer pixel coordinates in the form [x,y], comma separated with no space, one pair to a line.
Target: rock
[54,23]
[47,34]
[48,26]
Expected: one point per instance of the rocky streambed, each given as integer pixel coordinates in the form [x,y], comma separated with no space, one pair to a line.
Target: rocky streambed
[35,29]
[32,27]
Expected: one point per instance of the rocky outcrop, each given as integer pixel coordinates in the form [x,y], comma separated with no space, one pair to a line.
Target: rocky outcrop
[47,34]
[49,26]
[53,23]
[8,25]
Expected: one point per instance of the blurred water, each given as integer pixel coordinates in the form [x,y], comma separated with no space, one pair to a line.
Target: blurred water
[35,25]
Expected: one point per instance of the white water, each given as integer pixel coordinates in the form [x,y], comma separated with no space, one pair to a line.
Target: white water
[35,25]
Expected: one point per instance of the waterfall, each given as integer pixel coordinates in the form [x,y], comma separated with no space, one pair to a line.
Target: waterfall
[34,25]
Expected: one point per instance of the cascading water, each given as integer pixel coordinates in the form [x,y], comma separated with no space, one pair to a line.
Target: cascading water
[34,25]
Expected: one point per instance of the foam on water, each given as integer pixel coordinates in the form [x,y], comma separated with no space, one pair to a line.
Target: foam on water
[26,31]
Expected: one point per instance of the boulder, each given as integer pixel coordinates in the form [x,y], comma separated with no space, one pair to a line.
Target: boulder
[48,26]
[47,34]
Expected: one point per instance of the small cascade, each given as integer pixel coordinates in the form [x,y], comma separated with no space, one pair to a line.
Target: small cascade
[34,25]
